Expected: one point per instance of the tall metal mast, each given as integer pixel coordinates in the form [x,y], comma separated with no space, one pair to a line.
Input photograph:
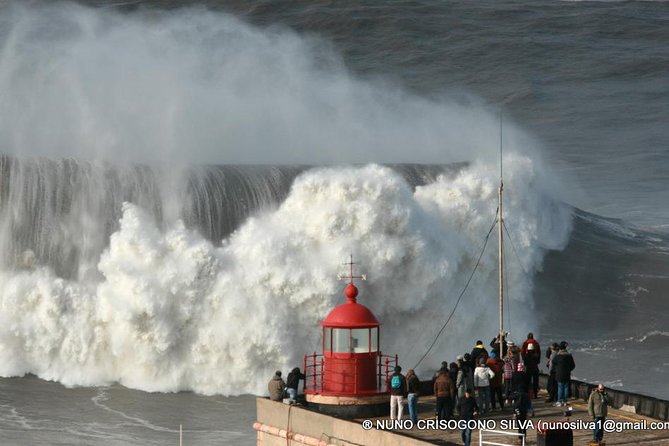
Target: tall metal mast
[500,223]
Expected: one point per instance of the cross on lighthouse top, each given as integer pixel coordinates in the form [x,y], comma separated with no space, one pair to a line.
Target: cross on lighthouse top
[351,290]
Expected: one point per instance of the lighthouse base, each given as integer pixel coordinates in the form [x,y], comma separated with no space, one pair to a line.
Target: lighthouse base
[350,406]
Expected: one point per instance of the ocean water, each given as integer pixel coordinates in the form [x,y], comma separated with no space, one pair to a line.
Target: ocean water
[180,183]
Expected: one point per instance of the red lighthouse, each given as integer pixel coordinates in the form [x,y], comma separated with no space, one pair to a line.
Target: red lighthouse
[349,378]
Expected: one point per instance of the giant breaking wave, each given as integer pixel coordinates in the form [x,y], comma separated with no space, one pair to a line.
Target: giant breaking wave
[174,273]
[172,311]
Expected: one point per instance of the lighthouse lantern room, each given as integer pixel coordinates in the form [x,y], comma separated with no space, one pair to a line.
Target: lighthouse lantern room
[351,371]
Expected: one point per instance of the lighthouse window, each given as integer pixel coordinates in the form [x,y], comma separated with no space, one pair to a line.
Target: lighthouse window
[340,340]
[328,339]
[360,340]
[375,339]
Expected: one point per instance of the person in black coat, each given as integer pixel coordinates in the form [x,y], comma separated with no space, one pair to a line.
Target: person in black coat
[468,409]
[520,409]
[563,363]
[532,361]
[477,352]
[494,345]
[293,382]
[453,374]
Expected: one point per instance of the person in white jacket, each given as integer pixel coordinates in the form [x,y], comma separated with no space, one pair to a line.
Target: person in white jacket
[482,377]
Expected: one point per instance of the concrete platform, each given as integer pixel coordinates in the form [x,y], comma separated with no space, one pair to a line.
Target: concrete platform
[544,412]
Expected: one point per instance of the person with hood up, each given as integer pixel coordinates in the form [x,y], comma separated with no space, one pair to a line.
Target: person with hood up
[276,387]
[293,382]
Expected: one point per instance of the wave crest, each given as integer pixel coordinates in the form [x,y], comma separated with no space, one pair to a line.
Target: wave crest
[173,312]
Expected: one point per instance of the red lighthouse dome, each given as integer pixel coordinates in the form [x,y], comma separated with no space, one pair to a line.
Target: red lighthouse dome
[351,313]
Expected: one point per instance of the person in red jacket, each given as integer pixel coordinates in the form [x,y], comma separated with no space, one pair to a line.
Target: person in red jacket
[530,340]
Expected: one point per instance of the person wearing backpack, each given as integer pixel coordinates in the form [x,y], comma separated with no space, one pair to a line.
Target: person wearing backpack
[398,388]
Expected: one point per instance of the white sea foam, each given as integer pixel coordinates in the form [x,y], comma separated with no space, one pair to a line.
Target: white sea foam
[651,334]
[174,312]
[160,308]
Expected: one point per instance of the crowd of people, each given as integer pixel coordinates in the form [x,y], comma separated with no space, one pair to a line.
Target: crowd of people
[479,382]
[482,381]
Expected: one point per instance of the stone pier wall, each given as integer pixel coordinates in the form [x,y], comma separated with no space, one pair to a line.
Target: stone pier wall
[278,422]
[634,402]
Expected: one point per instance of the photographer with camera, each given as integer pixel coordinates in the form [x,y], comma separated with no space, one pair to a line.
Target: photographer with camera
[598,404]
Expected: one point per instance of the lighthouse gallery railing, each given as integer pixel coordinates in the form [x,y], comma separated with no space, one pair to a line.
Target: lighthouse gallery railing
[314,371]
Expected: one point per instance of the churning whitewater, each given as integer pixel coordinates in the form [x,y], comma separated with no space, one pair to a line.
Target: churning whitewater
[176,273]
[172,311]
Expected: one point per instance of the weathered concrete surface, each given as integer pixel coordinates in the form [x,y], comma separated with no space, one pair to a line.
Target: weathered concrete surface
[324,430]
[545,412]
[276,421]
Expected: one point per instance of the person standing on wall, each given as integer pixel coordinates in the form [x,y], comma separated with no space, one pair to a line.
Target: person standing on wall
[398,388]
[598,404]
